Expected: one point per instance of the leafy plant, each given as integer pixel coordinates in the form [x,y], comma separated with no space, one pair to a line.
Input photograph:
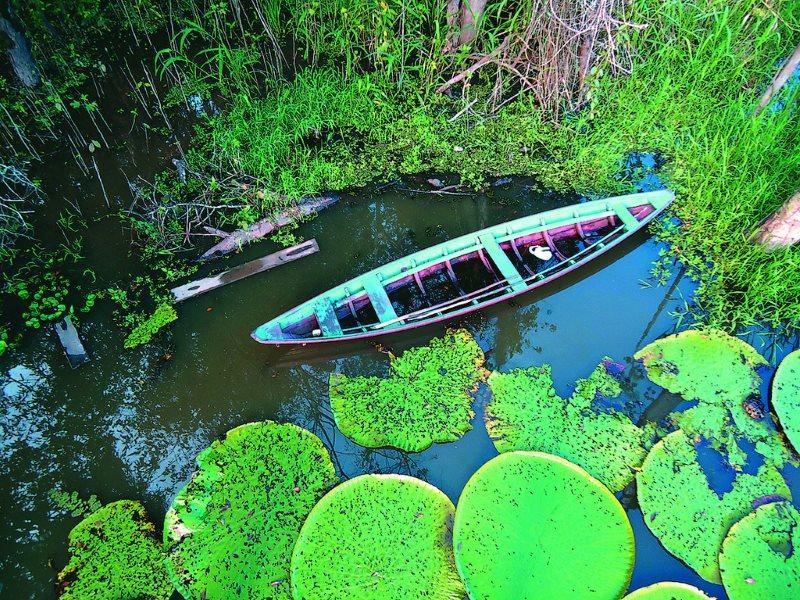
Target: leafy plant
[113,555]
[532,525]
[718,371]
[377,537]
[525,413]
[759,556]
[425,399]
[230,531]
[688,517]
[667,590]
[73,503]
[164,315]
[786,397]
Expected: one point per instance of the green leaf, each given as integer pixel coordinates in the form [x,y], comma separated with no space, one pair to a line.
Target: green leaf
[425,399]
[718,371]
[231,529]
[377,537]
[685,514]
[667,590]
[525,413]
[761,555]
[114,555]
[531,525]
[786,397]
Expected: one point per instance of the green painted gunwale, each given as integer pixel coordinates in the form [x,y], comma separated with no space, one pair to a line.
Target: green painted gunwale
[465,244]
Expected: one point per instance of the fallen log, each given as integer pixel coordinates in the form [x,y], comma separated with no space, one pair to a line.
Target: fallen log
[782,228]
[240,237]
[200,286]
[70,342]
[781,77]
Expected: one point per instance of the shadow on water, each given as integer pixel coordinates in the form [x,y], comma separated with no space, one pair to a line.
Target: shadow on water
[130,423]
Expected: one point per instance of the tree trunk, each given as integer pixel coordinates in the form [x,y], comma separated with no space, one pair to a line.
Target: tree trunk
[782,229]
[471,13]
[22,60]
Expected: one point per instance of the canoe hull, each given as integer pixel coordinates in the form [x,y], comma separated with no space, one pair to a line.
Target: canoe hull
[273,333]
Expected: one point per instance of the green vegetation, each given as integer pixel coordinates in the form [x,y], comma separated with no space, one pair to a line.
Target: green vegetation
[718,371]
[377,537]
[760,556]
[688,517]
[786,397]
[525,413]
[667,590]
[230,531]
[143,333]
[531,525]
[73,503]
[113,554]
[425,399]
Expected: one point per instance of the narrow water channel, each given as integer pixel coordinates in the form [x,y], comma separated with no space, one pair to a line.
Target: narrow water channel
[129,423]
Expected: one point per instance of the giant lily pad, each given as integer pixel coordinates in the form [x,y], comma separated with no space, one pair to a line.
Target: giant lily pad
[718,371]
[115,555]
[425,398]
[525,413]
[668,590]
[761,555]
[230,531]
[786,397]
[377,537]
[688,517]
[531,525]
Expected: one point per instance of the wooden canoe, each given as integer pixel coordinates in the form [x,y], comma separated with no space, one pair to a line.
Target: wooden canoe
[467,273]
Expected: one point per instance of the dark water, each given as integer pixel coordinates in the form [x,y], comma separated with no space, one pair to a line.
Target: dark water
[129,424]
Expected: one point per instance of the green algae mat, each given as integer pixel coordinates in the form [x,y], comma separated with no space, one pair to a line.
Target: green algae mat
[425,399]
[718,371]
[668,590]
[786,397]
[531,525]
[113,555]
[230,531]
[685,514]
[377,537]
[525,413]
[761,555]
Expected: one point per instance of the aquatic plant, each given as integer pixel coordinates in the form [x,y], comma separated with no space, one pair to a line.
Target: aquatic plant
[230,531]
[786,397]
[377,537]
[72,502]
[144,332]
[114,554]
[525,413]
[425,399]
[531,525]
[761,555]
[667,590]
[685,514]
[718,371]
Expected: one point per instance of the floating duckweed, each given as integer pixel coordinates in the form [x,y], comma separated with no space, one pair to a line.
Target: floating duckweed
[230,531]
[718,371]
[668,590]
[114,555]
[526,414]
[377,537]
[786,397]
[761,555]
[531,525]
[687,516]
[425,399]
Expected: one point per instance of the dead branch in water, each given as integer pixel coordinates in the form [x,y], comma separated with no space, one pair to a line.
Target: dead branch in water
[782,228]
